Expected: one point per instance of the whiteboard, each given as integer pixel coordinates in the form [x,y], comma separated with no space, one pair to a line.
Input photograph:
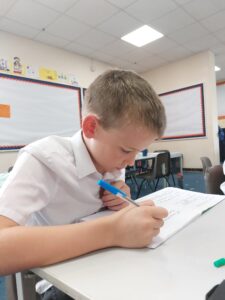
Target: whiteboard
[184,112]
[37,109]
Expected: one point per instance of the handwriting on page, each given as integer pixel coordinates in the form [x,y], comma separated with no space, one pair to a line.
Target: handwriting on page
[183,206]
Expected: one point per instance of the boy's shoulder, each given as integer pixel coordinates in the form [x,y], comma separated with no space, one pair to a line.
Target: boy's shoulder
[50,144]
[53,151]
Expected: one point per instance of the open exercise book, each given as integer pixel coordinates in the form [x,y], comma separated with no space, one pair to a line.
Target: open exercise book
[183,207]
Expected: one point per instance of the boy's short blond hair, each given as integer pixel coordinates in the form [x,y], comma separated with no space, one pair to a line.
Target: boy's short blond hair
[120,97]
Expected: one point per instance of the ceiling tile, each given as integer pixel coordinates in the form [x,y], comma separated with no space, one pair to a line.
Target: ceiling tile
[160,45]
[79,49]
[147,11]
[182,2]
[176,53]
[5,6]
[136,55]
[121,3]
[220,34]
[117,48]
[218,49]
[172,21]
[92,12]
[17,28]
[199,9]
[219,3]
[201,44]
[32,14]
[120,24]
[50,39]
[220,59]
[189,26]
[57,5]
[67,28]
[101,56]
[189,32]
[95,39]
[215,22]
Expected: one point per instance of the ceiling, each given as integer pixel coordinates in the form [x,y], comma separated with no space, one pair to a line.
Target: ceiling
[93,28]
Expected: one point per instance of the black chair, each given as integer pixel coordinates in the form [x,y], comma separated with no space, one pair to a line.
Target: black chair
[130,174]
[213,177]
[206,163]
[169,167]
[160,169]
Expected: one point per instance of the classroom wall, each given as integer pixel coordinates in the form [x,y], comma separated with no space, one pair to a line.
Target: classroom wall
[196,69]
[40,55]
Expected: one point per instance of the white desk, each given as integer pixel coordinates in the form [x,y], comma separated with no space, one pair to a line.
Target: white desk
[181,268]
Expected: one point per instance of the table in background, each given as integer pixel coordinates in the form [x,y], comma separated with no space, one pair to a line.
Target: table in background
[176,164]
[181,268]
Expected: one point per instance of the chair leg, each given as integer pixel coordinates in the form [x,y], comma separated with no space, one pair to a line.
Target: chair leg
[149,184]
[174,184]
[156,185]
[139,190]
[167,180]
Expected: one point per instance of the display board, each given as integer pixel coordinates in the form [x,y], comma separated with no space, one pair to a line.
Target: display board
[32,109]
[185,113]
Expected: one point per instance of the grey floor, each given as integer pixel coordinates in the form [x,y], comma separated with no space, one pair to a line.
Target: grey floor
[193,181]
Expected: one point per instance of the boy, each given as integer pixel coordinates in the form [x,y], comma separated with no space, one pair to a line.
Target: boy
[54,182]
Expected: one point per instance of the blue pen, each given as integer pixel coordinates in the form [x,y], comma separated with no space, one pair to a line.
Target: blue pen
[115,191]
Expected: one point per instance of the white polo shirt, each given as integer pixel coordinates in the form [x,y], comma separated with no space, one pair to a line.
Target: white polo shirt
[53,182]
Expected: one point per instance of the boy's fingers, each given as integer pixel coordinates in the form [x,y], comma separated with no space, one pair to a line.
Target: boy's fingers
[158,223]
[147,202]
[159,212]
[156,232]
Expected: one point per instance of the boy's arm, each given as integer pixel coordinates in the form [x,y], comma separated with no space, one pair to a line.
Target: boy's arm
[24,247]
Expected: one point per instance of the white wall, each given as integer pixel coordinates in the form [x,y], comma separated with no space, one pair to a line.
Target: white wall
[193,70]
[40,55]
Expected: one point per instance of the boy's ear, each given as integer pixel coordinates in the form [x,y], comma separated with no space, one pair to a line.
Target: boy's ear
[89,125]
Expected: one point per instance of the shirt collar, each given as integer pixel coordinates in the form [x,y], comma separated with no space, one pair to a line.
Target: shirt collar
[84,163]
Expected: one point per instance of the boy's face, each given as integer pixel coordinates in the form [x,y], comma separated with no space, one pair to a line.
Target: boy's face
[114,149]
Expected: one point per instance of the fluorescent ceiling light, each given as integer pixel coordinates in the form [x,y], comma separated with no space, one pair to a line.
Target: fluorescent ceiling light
[142,36]
[217,69]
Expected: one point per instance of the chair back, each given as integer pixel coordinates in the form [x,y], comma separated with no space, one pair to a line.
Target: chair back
[206,163]
[162,167]
[213,178]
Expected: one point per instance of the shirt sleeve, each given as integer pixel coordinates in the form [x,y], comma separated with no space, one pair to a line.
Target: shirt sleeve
[27,189]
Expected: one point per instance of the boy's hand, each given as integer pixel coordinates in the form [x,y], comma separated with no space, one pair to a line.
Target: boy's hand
[111,201]
[135,227]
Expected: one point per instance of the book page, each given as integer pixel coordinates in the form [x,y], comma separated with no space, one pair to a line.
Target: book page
[183,206]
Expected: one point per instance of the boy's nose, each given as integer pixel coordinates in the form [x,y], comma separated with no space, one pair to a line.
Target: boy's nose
[130,161]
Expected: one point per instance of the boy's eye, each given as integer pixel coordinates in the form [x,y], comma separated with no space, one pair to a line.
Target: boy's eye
[126,151]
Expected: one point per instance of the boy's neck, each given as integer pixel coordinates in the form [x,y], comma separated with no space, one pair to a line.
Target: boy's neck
[86,143]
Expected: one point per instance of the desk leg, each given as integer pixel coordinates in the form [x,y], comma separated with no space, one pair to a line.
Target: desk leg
[19,286]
